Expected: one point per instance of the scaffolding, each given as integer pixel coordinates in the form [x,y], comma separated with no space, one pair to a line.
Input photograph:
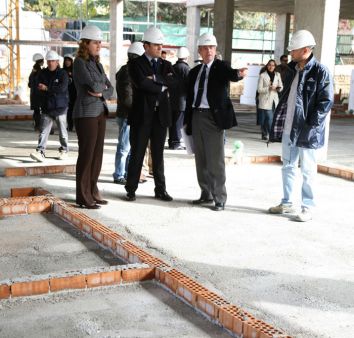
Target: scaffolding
[10,71]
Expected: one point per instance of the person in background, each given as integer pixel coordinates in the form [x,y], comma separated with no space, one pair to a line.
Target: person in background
[209,112]
[269,85]
[153,79]
[124,106]
[68,66]
[178,99]
[93,88]
[53,93]
[283,68]
[299,123]
[38,60]
[163,55]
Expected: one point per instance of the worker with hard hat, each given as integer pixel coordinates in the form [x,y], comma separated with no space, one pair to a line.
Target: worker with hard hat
[93,89]
[153,78]
[68,67]
[178,99]
[38,60]
[124,105]
[299,123]
[209,112]
[54,98]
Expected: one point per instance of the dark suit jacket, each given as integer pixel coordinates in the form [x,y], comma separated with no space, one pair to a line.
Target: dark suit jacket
[220,104]
[146,92]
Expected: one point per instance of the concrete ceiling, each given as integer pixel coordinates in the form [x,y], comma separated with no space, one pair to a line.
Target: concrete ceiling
[287,6]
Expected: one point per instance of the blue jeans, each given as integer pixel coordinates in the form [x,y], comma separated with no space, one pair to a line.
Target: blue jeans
[123,149]
[46,126]
[290,156]
[265,120]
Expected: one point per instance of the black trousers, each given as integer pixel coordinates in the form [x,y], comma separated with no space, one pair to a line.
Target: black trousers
[174,132]
[90,133]
[139,137]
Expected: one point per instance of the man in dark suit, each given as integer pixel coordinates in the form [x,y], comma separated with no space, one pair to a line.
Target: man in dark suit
[209,112]
[152,78]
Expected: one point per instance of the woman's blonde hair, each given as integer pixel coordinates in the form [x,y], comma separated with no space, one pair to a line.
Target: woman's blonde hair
[83,51]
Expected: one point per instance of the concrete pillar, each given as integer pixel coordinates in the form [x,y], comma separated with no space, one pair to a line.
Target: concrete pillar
[193,32]
[116,39]
[223,26]
[281,35]
[321,18]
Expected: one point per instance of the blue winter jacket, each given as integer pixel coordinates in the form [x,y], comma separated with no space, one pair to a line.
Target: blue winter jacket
[313,102]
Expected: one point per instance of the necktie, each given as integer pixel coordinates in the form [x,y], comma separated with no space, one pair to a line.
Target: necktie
[200,87]
[154,65]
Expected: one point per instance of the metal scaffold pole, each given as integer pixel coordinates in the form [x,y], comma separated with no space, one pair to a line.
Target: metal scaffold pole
[10,73]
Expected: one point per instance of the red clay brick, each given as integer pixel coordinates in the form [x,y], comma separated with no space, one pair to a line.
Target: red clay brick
[30,288]
[22,192]
[14,172]
[334,171]
[103,278]
[137,274]
[38,207]
[189,290]
[70,282]
[322,169]
[4,291]
[274,159]
[34,171]
[261,159]
[346,174]
[210,303]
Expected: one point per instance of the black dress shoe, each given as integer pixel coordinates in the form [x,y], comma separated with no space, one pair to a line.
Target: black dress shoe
[219,206]
[163,196]
[93,206]
[202,200]
[130,196]
[102,202]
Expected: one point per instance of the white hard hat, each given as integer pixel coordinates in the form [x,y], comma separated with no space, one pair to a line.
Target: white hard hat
[207,39]
[69,56]
[153,35]
[136,48]
[52,55]
[37,56]
[183,53]
[300,39]
[91,33]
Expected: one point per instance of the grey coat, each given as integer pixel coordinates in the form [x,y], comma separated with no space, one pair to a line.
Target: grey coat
[90,76]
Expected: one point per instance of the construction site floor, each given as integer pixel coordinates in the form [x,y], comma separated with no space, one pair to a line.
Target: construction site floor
[298,277]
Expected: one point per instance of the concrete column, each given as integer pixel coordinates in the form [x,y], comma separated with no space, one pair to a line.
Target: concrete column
[223,26]
[321,18]
[116,39]
[193,32]
[281,35]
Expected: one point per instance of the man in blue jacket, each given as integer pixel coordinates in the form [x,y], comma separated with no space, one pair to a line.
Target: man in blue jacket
[299,122]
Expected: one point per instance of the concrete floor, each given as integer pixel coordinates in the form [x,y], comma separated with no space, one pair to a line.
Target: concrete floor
[128,311]
[42,243]
[299,277]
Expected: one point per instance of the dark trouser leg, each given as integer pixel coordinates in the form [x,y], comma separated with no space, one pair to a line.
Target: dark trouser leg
[98,156]
[174,132]
[158,137]
[139,136]
[37,118]
[90,133]
[69,117]
[209,156]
